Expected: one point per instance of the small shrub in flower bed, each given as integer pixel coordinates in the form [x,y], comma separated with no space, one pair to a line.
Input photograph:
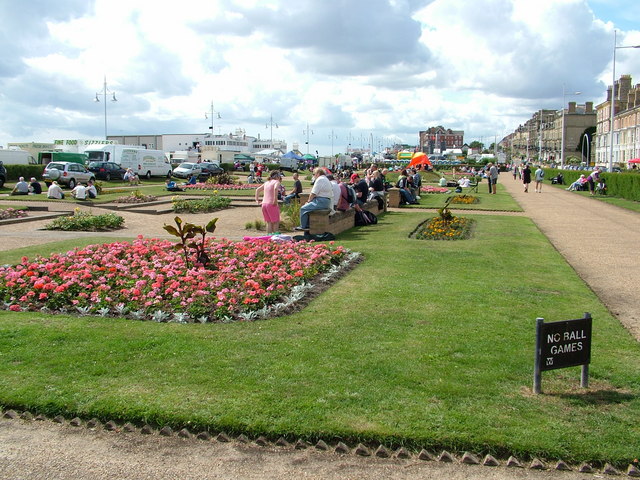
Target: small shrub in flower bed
[86,222]
[136,197]
[438,228]
[432,189]
[6,213]
[465,199]
[217,186]
[200,205]
[148,279]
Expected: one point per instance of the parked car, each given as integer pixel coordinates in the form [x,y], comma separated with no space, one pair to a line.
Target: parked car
[66,173]
[186,169]
[209,170]
[107,170]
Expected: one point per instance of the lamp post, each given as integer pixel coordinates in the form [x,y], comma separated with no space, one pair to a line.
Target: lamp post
[564,101]
[105,91]
[271,124]
[213,114]
[307,132]
[613,96]
[332,137]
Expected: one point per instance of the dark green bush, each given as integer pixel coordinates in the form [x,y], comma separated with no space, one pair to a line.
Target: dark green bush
[27,171]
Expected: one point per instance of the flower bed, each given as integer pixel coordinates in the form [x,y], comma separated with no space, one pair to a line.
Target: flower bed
[438,228]
[465,199]
[148,279]
[7,213]
[432,189]
[219,186]
[136,197]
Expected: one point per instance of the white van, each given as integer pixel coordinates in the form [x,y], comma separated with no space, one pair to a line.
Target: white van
[144,162]
[16,157]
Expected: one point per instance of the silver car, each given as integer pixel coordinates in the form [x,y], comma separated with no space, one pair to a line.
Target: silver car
[66,173]
[186,169]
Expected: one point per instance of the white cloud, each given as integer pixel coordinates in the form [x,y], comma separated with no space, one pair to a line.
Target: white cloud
[362,68]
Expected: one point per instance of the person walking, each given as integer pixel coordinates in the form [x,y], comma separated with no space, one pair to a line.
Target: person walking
[526,177]
[539,176]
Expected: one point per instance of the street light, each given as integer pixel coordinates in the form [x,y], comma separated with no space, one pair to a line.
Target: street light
[307,132]
[214,115]
[104,93]
[564,102]
[613,103]
[271,124]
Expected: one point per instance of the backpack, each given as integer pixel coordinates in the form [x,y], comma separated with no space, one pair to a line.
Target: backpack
[351,195]
[364,217]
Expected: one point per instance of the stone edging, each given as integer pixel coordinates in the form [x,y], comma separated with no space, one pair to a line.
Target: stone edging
[340,448]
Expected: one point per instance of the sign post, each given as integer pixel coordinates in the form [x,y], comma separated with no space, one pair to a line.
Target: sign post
[562,344]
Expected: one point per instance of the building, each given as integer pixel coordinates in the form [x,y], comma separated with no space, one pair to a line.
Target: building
[541,137]
[438,139]
[626,124]
[220,147]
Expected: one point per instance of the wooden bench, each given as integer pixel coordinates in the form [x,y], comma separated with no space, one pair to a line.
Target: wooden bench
[320,221]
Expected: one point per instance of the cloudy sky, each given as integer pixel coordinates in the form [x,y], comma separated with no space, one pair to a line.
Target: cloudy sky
[336,71]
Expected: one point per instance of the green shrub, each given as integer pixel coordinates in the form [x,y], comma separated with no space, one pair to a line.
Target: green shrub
[201,205]
[86,222]
[27,171]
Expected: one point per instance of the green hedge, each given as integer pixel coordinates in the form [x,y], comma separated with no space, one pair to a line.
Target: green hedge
[27,171]
[623,185]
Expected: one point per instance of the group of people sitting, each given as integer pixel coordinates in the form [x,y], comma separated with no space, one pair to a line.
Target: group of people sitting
[79,192]
[593,182]
[24,188]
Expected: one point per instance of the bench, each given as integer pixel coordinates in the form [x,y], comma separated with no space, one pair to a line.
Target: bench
[320,221]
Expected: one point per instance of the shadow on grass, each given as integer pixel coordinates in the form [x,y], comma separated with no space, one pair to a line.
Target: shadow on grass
[597,397]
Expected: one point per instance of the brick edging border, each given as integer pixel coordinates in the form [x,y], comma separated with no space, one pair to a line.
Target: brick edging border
[339,448]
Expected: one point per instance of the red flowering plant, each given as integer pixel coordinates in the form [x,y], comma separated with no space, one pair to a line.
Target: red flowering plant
[149,279]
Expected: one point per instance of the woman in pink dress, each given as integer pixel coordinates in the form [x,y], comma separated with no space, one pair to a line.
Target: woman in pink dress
[270,208]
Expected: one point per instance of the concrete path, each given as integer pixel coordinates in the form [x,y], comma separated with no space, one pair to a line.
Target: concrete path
[600,241]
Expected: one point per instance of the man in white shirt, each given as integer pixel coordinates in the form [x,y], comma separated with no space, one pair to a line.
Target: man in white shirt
[79,192]
[320,198]
[55,191]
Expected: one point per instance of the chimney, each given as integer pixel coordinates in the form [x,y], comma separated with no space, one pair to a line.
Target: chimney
[609,94]
[572,107]
[588,107]
[625,86]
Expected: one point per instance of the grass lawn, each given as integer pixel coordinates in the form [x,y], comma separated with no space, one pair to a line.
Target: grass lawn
[502,201]
[424,344]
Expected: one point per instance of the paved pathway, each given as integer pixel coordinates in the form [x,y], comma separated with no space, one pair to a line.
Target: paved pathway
[600,241]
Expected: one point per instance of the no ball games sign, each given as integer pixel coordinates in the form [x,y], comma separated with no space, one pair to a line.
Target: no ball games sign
[562,344]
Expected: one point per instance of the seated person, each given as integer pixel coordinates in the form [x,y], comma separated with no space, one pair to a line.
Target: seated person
[442,182]
[578,184]
[92,191]
[464,182]
[295,191]
[173,186]
[405,194]
[21,188]
[79,192]
[55,191]
[320,198]
[35,187]
[601,187]
[131,177]
[193,180]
